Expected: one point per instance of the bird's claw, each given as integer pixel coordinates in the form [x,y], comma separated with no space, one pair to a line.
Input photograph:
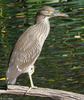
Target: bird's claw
[33,87]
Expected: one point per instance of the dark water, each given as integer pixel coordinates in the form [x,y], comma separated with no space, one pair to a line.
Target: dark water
[61,63]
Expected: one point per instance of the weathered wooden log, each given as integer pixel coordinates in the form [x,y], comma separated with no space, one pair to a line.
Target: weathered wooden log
[42,92]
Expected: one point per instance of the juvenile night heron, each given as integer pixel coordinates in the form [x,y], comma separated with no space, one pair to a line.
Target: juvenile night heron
[29,45]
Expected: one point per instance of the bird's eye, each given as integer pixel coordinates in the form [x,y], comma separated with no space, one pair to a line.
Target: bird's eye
[49,10]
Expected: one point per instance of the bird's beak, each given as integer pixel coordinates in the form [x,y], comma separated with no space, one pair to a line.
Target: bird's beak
[57,13]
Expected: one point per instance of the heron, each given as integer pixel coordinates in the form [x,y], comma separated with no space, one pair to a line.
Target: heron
[29,45]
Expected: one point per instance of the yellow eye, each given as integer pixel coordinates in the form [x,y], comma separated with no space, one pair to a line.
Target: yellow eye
[49,10]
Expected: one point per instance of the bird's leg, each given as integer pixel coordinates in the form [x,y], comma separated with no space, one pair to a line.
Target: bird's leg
[30,77]
[31,81]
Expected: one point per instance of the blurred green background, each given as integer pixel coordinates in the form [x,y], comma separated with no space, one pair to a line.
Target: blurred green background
[61,63]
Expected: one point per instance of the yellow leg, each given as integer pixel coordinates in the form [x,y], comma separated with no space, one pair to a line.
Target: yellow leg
[31,81]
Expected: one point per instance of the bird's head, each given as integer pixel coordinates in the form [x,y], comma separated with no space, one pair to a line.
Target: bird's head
[48,11]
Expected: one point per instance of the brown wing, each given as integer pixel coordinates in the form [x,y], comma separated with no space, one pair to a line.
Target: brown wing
[26,50]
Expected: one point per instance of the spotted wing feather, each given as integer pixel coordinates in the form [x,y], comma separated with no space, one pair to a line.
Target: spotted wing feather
[25,53]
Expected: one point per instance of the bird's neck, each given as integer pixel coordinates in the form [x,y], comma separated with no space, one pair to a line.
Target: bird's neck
[39,19]
[43,26]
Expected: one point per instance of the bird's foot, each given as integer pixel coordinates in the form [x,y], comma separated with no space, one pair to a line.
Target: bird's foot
[33,87]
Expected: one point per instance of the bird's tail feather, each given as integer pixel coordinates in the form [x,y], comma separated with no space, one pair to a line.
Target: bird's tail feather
[10,79]
[11,75]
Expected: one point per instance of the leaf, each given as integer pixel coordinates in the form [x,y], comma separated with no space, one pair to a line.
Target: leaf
[41,57]
[76,67]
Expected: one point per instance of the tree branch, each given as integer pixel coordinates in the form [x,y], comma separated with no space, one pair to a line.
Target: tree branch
[42,92]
